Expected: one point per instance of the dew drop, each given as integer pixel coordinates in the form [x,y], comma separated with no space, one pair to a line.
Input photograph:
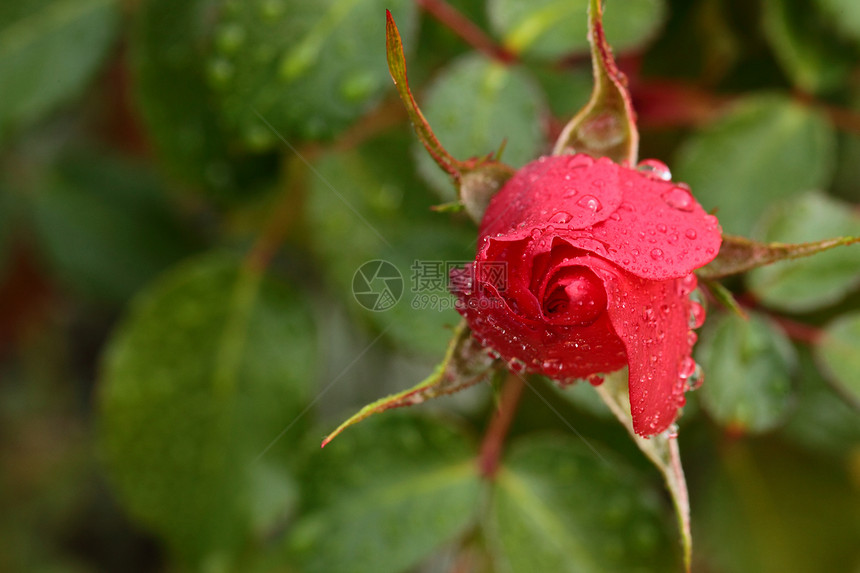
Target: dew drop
[686,368]
[590,202]
[655,169]
[516,365]
[691,234]
[595,379]
[694,381]
[561,217]
[656,254]
[662,228]
[679,198]
[692,338]
[697,315]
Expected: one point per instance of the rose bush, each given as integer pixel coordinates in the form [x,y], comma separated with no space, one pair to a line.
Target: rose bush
[598,272]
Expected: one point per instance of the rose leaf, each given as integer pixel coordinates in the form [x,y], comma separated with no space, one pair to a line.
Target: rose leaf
[838,352]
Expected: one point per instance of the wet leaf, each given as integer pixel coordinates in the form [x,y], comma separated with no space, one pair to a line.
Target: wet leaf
[49,50]
[815,281]
[550,29]
[310,67]
[385,496]
[838,352]
[805,46]
[540,521]
[765,149]
[466,363]
[168,54]
[748,366]
[366,205]
[106,225]
[475,106]
[209,366]
[606,126]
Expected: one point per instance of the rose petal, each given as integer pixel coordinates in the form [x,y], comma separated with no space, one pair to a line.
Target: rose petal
[659,231]
[565,191]
[651,318]
[526,339]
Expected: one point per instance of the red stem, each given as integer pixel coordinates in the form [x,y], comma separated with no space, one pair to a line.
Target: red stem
[497,431]
[468,31]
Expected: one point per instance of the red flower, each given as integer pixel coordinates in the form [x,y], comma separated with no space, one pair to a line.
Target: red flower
[598,263]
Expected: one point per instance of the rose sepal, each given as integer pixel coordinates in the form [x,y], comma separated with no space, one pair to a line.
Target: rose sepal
[465,364]
[477,179]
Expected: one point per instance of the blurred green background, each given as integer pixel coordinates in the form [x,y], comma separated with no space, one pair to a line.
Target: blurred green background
[187,189]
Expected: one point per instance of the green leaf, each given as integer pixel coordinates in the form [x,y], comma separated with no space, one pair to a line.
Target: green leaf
[661,449]
[844,15]
[475,105]
[310,67]
[49,50]
[550,29]
[106,226]
[466,363]
[806,46]
[816,281]
[823,421]
[366,204]
[748,366]
[169,47]
[838,352]
[211,363]
[385,496]
[765,149]
[558,507]
[606,126]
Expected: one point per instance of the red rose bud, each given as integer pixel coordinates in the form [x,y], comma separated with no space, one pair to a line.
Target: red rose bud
[597,262]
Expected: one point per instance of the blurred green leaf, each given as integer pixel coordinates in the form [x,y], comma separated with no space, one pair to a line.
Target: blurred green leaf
[474,106]
[384,496]
[823,420]
[541,520]
[768,147]
[567,91]
[210,365]
[366,204]
[169,49]
[310,67]
[748,366]
[49,50]
[771,509]
[550,29]
[838,351]
[106,226]
[805,46]
[812,282]
[844,16]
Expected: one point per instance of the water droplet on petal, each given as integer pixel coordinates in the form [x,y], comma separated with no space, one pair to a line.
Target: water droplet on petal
[516,365]
[561,217]
[591,203]
[697,315]
[686,367]
[595,379]
[655,169]
[679,198]
[691,234]
[656,254]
